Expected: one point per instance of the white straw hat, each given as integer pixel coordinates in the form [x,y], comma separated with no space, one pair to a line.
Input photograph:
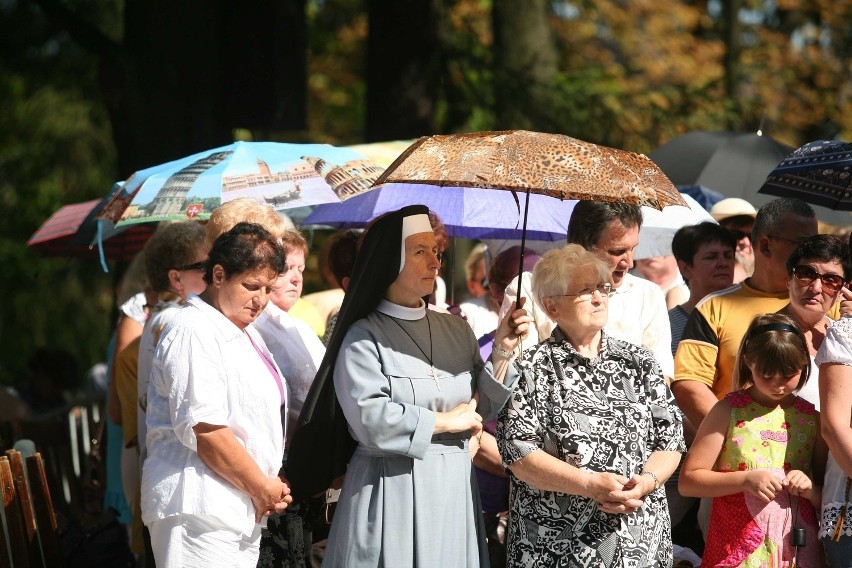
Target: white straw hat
[732,207]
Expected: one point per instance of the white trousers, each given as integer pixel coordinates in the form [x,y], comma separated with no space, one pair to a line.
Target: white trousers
[189,541]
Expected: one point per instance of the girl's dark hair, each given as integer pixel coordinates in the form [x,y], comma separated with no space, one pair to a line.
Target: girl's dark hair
[247,246]
[775,345]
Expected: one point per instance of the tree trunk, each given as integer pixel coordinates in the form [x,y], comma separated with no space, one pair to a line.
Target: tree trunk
[731,32]
[525,63]
[188,73]
[402,69]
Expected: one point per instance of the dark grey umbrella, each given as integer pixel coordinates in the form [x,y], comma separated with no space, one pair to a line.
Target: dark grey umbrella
[735,164]
[732,163]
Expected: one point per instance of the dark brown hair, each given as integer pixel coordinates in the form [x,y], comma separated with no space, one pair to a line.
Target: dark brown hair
[774,344]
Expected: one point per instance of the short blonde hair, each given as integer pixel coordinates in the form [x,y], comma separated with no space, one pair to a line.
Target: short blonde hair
[554,272]
[245,209]
[477,254]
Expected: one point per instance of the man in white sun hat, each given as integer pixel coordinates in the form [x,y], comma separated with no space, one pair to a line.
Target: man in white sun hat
[737,215]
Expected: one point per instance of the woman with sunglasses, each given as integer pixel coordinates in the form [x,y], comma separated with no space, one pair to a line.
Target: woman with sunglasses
[834,358]
[590,435]
[816,271]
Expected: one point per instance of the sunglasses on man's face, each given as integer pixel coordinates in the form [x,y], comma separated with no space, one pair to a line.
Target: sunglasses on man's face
[807,275]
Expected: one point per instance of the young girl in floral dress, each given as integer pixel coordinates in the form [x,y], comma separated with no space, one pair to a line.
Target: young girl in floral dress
[760,456]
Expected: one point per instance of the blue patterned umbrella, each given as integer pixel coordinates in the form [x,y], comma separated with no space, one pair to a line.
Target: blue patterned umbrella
[820,172]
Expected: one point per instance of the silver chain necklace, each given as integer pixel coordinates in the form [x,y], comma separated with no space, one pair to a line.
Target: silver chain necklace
[433,373]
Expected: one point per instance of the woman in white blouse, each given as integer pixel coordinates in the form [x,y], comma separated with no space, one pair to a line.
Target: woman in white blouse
[835,391]
[215,400]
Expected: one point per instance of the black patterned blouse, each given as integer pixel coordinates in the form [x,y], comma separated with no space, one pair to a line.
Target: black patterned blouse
[604,415]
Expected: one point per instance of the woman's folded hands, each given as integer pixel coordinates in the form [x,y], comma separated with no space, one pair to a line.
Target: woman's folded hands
[273,497]
[616,494]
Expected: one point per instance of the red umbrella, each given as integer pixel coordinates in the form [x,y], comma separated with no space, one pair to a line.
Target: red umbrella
[70,230]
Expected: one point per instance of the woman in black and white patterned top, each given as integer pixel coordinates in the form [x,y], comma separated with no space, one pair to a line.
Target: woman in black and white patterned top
[590,434]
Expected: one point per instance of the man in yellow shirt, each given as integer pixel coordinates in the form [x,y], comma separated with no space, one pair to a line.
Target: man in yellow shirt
[704,361]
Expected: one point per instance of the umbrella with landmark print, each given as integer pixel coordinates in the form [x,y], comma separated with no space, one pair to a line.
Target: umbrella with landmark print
[283,175]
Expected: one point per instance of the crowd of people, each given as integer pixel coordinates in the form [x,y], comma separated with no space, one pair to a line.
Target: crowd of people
[593,410]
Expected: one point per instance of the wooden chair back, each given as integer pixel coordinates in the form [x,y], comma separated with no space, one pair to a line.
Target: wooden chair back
[30,520]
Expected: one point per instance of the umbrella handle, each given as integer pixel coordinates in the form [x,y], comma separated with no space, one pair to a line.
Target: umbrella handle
[100,236]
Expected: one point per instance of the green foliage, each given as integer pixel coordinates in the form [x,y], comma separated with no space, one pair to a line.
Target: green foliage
[627,74]
[55,148]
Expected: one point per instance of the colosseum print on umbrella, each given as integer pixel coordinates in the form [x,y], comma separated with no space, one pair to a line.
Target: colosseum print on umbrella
[283,175]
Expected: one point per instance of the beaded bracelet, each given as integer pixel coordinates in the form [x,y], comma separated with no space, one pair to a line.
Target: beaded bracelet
[503,353]
[654,477]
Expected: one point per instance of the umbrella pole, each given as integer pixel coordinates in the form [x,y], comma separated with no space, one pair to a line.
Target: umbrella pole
[452,284]
[521,261]
[523,242]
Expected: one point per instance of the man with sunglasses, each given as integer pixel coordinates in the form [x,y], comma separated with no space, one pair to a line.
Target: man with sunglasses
[705,357]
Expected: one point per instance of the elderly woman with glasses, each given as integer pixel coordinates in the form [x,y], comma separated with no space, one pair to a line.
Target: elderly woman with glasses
[590,435]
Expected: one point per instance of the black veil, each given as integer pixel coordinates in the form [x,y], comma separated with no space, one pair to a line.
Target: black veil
[321,446]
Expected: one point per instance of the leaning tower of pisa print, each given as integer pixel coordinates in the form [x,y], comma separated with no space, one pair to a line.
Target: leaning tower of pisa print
[171,198]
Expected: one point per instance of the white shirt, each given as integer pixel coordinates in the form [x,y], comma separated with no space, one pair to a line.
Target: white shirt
[298,352]
[160,317]
[810,391]
[480,318]
[134,308]
[637,314]
[837,345]
[207,370]
[835,348]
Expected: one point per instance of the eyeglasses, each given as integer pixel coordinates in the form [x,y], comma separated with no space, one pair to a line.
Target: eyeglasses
[806,275]
[605,290]
[201,265]
[795,242]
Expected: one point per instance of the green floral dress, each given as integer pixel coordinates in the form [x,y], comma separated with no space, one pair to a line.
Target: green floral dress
[745,531]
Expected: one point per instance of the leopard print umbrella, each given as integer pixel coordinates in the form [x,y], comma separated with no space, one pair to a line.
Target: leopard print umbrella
[520,160]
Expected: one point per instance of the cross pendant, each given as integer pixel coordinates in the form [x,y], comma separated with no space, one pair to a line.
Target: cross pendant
[434,374]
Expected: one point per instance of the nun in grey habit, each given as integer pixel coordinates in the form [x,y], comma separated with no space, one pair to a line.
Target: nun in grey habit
[413,390]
